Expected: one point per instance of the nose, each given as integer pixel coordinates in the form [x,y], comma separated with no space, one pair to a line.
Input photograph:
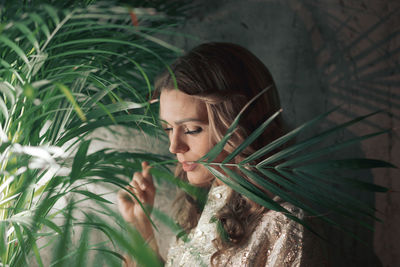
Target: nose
[177,145]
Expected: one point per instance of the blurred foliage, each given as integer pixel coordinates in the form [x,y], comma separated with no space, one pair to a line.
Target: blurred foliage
[70,67]
[66,69]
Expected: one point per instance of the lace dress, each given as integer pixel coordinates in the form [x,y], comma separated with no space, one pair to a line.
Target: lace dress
[277,241]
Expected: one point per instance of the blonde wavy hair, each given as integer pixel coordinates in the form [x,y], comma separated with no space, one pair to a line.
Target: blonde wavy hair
[226,77]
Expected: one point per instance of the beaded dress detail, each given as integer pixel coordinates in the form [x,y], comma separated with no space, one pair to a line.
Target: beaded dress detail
[276,240]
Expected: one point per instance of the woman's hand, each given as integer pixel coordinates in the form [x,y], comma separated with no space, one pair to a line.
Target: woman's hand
[143,188]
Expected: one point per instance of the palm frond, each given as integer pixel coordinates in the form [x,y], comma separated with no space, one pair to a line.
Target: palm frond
[64,72]
[289,174]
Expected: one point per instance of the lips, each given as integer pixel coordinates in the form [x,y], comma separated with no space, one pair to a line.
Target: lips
[188,167]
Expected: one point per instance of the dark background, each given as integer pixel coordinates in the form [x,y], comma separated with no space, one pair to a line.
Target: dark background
[326,53]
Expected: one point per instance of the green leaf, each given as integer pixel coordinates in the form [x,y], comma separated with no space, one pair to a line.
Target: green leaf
[64,89]
[7,67]
[196,192]
[112,253]
[37,254]
[285,138]
[79,160]
[8,90]
[40,59]
[100,95]
[263,200]
[245,184]
[315,139]
[21,259]
[28,34]
[43,26]
[51,225]
[112,108]
[105,52]
[251,138]
[333,199]
[4,109]
[16,49]
[130,241]
[278,191]
[53,13]
[81,259]
[327,150]
[92,196]
[337,179]
[3,240]
[170,223]
[64,242]
[234,184]
[72,133]
[303,193]
[101,226]
[216,150]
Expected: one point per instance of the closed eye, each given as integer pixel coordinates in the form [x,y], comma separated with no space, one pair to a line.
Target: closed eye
[198,130]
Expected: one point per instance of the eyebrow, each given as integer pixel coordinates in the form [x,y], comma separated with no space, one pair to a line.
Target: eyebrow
[184,120]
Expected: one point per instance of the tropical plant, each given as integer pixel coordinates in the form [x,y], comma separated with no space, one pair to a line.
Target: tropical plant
[299,175]
[63,74]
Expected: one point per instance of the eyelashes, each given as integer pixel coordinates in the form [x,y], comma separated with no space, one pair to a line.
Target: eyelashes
[196,131]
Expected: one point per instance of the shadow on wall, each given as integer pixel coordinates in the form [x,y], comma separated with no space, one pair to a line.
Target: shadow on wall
[356,46]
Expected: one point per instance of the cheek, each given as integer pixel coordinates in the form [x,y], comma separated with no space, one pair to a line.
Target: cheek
[204,144]
[199,145]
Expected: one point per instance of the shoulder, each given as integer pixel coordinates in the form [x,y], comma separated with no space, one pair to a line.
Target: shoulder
[275,241]
[277,225]
[283,237]
[289,243]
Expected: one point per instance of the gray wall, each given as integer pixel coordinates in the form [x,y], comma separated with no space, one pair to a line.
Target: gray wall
[325,53]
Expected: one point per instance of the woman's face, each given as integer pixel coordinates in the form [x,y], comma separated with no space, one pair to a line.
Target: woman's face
[186,123]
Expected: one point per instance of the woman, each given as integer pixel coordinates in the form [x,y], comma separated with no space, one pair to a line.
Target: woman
[215,81]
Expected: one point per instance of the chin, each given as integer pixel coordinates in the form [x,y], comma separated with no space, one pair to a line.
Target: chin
[199,179]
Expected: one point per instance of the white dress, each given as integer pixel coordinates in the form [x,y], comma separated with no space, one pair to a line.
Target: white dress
[276,241]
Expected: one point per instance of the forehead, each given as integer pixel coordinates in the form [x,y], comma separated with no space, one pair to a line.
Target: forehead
[176,106]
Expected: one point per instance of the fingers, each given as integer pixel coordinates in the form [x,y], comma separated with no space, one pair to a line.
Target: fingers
[124,196]
[134,188]
[144,178]
[146,171]
[141,186]
[139,192]
[139,179]
[125,204]
[140,189]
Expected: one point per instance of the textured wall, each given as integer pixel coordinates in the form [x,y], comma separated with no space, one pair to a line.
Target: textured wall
[325,53]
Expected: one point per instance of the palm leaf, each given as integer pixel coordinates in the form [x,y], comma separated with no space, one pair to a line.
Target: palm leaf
[286,138]
[315,139]
[214,152]
[64,73]
[253,136]
[287,174]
